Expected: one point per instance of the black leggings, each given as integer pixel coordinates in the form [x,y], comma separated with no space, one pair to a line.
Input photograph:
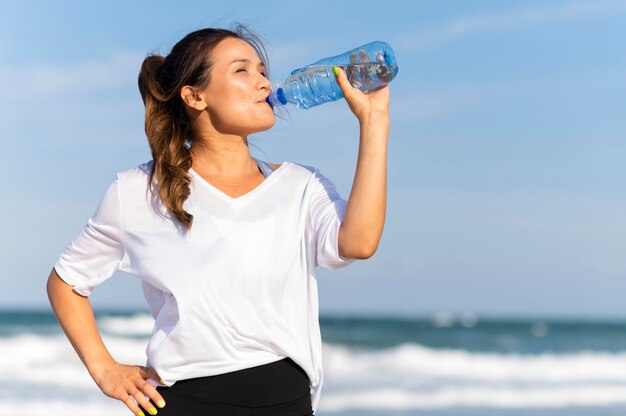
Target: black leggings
[280,388]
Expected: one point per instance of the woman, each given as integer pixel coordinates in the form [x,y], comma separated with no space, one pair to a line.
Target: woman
[225,245]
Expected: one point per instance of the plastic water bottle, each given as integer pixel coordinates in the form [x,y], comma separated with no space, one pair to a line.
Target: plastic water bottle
[368,68]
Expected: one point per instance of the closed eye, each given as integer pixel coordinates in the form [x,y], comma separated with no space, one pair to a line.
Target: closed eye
[245,70]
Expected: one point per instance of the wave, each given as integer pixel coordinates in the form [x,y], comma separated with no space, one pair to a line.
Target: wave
[138,325]
[482,397]
[414,363]
[51,361]
[415,377]
[409,376]
[102,407]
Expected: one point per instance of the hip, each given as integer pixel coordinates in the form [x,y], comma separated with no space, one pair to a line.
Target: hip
[281,388]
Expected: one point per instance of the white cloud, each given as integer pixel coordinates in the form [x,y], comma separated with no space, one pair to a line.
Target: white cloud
[59,99]
[434,37]
[116,70]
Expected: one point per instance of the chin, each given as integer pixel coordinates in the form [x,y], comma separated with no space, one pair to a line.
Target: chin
[266,124]
[270,123]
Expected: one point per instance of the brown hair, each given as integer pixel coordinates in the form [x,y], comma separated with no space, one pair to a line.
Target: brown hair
[168,128]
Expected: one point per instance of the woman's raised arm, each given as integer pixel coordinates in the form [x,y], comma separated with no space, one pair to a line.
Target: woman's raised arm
[362,225]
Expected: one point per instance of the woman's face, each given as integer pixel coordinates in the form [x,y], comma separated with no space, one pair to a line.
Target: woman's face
[237,90]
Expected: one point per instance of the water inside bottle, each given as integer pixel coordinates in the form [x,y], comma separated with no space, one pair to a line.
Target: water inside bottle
[369,76]
[370,72]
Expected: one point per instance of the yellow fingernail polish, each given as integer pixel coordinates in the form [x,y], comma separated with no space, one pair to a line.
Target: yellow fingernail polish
[153,411]
[161,403]
[140,414]
[335,70]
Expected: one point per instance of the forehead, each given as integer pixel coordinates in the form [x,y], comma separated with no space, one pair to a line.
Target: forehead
[231,49]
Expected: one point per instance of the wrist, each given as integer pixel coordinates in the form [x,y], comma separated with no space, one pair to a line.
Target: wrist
[384,113]
[97,368]
[376,116]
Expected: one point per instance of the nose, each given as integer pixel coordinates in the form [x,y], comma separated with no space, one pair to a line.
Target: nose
[264,83]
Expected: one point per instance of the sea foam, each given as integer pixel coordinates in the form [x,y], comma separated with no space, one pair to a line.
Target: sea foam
[410,376]
[42,374]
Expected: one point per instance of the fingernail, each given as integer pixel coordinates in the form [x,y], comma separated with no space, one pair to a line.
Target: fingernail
[153,411]
[161,403]
[161,381]
[140,414]
[335,70]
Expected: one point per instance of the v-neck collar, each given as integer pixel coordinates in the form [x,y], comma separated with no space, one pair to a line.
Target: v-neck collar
[242,198]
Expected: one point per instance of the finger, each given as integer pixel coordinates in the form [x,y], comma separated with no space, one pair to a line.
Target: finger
[142,400]
[151,392]
[342,80]
[132,405]
[149,373]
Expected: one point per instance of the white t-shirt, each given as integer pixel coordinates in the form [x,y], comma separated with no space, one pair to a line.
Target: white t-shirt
[239,289]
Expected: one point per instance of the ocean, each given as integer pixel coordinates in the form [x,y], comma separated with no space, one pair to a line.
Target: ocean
[441,365]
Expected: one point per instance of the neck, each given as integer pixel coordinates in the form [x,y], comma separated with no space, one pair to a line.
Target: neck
[223,157]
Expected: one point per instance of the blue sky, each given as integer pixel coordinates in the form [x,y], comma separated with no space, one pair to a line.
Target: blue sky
[506,155]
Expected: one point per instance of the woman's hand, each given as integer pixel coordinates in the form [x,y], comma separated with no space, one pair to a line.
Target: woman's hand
[361,104]
[363,222]
[128,382]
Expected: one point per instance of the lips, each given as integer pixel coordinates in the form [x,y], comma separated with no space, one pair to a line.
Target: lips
[264,99]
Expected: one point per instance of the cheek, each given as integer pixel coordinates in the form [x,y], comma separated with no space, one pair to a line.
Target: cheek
[234,115]
[226,109]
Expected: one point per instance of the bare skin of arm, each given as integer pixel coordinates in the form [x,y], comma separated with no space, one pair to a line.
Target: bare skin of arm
[362,225]
[119,381]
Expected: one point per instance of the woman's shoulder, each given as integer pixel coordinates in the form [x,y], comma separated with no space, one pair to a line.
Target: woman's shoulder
[298,167]
[308,175]
[143,169]
[137,176]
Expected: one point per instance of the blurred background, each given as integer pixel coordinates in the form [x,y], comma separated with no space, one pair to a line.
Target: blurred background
[498,285]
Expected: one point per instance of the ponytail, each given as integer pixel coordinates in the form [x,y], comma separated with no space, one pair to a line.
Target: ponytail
[166,137]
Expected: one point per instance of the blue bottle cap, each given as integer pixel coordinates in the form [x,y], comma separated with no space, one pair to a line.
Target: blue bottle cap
[280,96]
[277,97]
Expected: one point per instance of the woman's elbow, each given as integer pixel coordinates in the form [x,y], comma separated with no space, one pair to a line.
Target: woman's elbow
[360,251]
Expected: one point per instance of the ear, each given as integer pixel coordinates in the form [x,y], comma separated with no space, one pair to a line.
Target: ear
[192,99]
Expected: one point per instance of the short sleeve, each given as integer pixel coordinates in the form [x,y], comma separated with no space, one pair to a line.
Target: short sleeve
[327,210]
[96,253]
